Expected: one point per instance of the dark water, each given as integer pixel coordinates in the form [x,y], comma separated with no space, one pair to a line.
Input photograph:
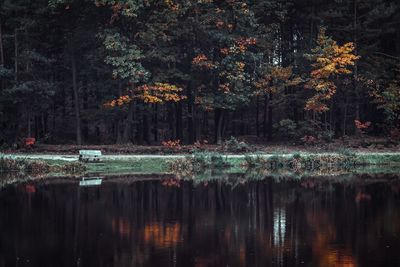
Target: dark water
[308,222]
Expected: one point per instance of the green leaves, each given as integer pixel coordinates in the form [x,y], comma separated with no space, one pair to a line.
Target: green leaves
[124,58]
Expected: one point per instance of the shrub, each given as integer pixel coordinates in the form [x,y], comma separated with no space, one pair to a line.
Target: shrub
[9,165]
[309,140]
[326,136]
[286,129]
[235,146]
[198,162]
[37,167]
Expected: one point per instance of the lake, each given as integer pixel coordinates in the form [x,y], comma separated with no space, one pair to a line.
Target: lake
[148,221]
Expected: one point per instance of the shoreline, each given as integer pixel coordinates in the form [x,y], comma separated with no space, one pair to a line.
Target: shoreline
[161,164]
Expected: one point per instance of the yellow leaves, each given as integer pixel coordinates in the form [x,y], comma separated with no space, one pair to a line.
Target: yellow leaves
[122,100]
[160,92]
[240,66]
[277,79]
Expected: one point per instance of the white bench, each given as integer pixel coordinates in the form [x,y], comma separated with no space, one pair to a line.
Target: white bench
[90,155]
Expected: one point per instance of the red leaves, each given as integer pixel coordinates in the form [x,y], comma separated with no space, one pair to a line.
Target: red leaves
[362,126]
[175,144]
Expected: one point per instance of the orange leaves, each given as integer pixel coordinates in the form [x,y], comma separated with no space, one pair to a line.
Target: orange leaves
[154,94]
[120,101]
[244,43]
[199,59]
[224,51]
[330,60]
[202,61]
[276,79]
[240,46]
[159,93]
[175,144]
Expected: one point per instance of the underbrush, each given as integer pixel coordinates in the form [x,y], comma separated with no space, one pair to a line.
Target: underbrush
[37,167]
[301,162]
[198,162]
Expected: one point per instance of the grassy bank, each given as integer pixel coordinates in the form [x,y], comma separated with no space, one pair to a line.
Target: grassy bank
[199,162]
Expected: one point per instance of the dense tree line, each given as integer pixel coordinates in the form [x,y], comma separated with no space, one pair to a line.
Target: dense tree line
[146,71]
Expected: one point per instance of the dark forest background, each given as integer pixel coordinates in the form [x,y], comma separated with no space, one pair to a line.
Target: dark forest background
[143,72]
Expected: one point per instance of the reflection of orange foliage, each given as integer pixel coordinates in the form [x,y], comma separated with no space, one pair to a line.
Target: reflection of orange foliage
[171,182]
[121,226]
[362,196]
[308,183]
[324,234]
[162,236]
[30,188]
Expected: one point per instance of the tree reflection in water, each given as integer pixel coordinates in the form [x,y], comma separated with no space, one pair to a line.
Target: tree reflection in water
[269,222]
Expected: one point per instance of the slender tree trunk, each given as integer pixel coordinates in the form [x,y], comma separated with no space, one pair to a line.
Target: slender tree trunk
[1,44]
[85,104]
[29,124]
[191,130]
[146,129]
[76,101]
[128,124]
[220,126]
[270,110]
[1,54]
[257,115]
[265,116]
[179,130]
[16,55]
[355,78]
[155,123]
[344,118]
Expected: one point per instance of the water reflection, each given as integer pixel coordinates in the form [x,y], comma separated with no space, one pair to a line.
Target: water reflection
[271,222]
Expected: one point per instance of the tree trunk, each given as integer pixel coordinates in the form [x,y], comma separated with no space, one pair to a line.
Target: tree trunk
[344,118]
[15,55]
[220,121]
[191,130]
[128,124]
[270,109]
[146,129]
[76,101]
[2,85]
[179,130]
[1,46]
[155,123]
[265,116]
[355,78]
[257,115]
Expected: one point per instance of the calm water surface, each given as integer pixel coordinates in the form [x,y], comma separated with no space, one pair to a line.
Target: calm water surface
[307,222]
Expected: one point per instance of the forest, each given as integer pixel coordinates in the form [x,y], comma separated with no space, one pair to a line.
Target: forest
[151,71]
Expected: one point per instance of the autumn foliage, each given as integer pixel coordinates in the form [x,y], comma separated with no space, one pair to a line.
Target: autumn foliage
[330,60]
[157,93]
